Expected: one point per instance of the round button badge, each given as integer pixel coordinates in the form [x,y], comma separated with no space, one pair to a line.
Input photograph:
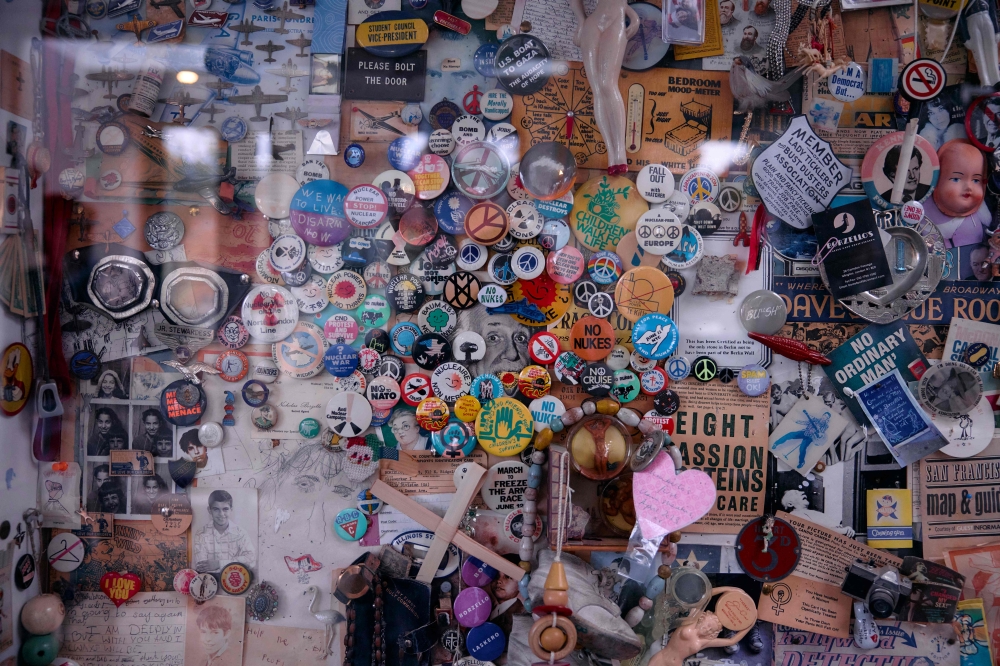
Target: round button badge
[430,176]
[492,295]
[232,365]
[317,213]
[269,313]
[655,183]
[658,231]
[365,207]
[486,223]
[255,393]
[348,414]
[288,252]
[753,379]
[847,85]
[496,104]
[504,426]
[543,347]
[655,336]
[232,333]
[441,142]
[523,65]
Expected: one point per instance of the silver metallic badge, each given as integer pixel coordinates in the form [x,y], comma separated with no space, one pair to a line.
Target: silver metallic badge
[121,286]
[194,296]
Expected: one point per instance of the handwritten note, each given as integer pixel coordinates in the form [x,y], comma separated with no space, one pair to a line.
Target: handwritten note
[147,629]
[267,645]
[666,501]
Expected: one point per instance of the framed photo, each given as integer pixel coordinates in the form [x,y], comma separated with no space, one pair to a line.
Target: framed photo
[325,75]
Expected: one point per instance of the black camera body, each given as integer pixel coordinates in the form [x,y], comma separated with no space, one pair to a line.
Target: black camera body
[882,589]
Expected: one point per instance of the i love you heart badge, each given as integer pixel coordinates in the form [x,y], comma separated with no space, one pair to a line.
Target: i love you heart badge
[666,501]
[120,587]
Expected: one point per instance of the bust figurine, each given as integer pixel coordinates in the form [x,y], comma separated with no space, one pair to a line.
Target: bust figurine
[693,637]
[956,206]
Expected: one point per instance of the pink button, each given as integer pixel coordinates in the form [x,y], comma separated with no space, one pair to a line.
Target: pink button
[472,607]
[565,265]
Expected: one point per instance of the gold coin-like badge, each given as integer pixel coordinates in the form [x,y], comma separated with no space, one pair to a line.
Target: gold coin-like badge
[642,291]
[605,210]
[504,427]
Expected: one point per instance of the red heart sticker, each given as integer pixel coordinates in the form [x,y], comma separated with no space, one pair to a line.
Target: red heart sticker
[120,587]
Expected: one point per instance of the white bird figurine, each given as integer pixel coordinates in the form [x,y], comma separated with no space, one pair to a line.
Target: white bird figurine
[753,91]
[330,618]
[190,372]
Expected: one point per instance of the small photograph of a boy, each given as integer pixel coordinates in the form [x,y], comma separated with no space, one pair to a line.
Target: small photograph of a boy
[222,533]
[216,637]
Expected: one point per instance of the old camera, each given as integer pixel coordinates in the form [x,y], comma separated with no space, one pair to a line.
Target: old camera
[881,588]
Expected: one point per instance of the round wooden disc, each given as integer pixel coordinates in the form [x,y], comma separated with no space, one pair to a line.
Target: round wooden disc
[736,610]
[177,517]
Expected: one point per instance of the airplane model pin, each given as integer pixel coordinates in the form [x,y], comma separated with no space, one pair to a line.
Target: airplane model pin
[137,26]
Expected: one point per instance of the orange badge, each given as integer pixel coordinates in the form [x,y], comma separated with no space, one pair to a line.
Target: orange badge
[592,338]
[642,291]
[486,223]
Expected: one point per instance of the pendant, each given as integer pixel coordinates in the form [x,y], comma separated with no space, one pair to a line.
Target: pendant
[39,161]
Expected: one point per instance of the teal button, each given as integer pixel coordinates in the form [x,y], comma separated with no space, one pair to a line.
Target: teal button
[350,524]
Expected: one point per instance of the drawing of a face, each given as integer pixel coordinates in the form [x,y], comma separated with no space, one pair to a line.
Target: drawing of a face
[404,429]
[749,38]
[452,84]
[726,9]
[506,341]
[55,489]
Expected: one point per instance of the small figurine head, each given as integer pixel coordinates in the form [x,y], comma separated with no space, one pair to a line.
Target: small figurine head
[962,184]
[708,625]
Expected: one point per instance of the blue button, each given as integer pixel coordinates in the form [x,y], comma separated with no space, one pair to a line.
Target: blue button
[354,155]
[233,129]
[404,153]
[340,360]
[486,387]
[403,336]
[484,60]
[453,441]
[450,210]
[486,642]
[655,336]
[753,379]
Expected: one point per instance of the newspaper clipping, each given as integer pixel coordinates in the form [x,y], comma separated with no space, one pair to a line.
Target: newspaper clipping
[960,500]
[723,432]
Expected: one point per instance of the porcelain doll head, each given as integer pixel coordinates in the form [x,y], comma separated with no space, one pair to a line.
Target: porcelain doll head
[962,185]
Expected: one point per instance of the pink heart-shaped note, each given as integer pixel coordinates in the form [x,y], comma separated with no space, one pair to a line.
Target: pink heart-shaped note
[666,501]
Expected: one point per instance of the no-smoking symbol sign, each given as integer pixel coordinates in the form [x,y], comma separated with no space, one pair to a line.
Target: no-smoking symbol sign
[922,80]
[415,388]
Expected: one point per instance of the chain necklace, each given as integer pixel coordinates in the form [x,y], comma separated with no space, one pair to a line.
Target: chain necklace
[378,644]
[779,36]
[807,382]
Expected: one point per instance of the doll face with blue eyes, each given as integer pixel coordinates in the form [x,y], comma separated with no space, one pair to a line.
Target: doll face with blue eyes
[457,83]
